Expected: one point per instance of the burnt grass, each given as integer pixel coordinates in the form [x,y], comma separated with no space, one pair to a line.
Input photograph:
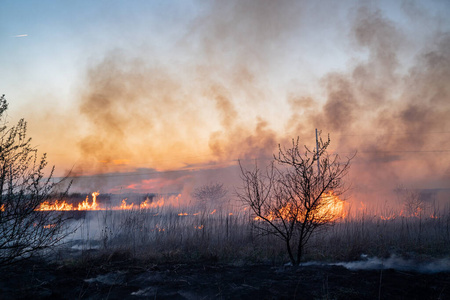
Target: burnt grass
[118,276]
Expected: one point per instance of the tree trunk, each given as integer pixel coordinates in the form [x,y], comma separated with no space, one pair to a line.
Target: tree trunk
[299,250]
[291,256]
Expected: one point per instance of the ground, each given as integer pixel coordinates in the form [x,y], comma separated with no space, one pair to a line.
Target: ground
[122,278]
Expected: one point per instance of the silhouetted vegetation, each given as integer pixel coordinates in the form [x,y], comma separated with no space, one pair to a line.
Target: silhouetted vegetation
[23,187]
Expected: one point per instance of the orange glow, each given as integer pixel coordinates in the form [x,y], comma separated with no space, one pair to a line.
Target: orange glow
[363,207]
[213,212]
[147,205]
[330,209]
[389,217]
[159,229]
[418,212]
[125,206]
[64,206]
[121,161]
[85,204]
[55,206]
[49,226]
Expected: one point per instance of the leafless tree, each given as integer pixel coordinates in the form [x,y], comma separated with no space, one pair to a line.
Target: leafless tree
[413,204]
[23,187]
[210,195]
[296,194]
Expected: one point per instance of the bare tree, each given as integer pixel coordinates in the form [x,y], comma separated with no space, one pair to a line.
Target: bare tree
[210,195]
[413,204]
[296,194]
[23,187]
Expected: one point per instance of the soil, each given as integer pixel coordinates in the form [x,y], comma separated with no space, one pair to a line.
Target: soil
[123,278]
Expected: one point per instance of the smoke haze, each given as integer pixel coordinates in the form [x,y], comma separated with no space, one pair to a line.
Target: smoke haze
[227,92]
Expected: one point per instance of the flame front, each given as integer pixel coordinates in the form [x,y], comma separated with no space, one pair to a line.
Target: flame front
[55,206]
[331,208]
[85,205]
[125,206]
[147,205]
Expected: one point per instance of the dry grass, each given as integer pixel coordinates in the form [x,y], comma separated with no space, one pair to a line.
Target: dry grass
[163,235]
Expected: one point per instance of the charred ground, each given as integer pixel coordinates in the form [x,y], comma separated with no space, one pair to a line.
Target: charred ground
[118,276]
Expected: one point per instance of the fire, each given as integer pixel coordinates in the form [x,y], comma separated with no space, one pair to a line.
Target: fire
[49,226]
[85,204]
[125,206]
[392,216]
[147,205]
[55,206]
[333,208]
[159,229]
[64,206]
[330,209]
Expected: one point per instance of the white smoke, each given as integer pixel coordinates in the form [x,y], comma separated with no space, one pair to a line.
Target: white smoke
[393,262]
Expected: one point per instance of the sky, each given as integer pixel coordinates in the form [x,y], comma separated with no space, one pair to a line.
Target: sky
[165,96]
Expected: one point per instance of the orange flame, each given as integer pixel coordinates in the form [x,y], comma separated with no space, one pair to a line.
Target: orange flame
[49,226]
[389,217]
[125,206]
[147,205]
[55,206]
[85,204]
[331,209]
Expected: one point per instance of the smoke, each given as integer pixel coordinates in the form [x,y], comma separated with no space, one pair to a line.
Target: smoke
[147,112]
[394,262]
[217,103]
[395,120]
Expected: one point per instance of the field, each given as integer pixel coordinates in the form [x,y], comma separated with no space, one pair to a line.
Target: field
[188,252]
[228,234]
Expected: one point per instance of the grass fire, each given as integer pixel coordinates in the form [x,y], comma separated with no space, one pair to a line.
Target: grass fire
[238,149]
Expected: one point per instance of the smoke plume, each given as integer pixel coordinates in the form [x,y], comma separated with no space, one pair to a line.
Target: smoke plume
[217,104]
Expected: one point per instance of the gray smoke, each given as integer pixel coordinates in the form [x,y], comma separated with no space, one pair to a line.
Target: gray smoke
[389,105]
[394,262]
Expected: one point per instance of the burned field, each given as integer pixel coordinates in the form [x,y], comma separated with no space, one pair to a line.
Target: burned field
[185,253]
[225,149]
[120,277]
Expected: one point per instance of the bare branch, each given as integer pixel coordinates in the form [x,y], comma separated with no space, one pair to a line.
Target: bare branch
[297,198]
